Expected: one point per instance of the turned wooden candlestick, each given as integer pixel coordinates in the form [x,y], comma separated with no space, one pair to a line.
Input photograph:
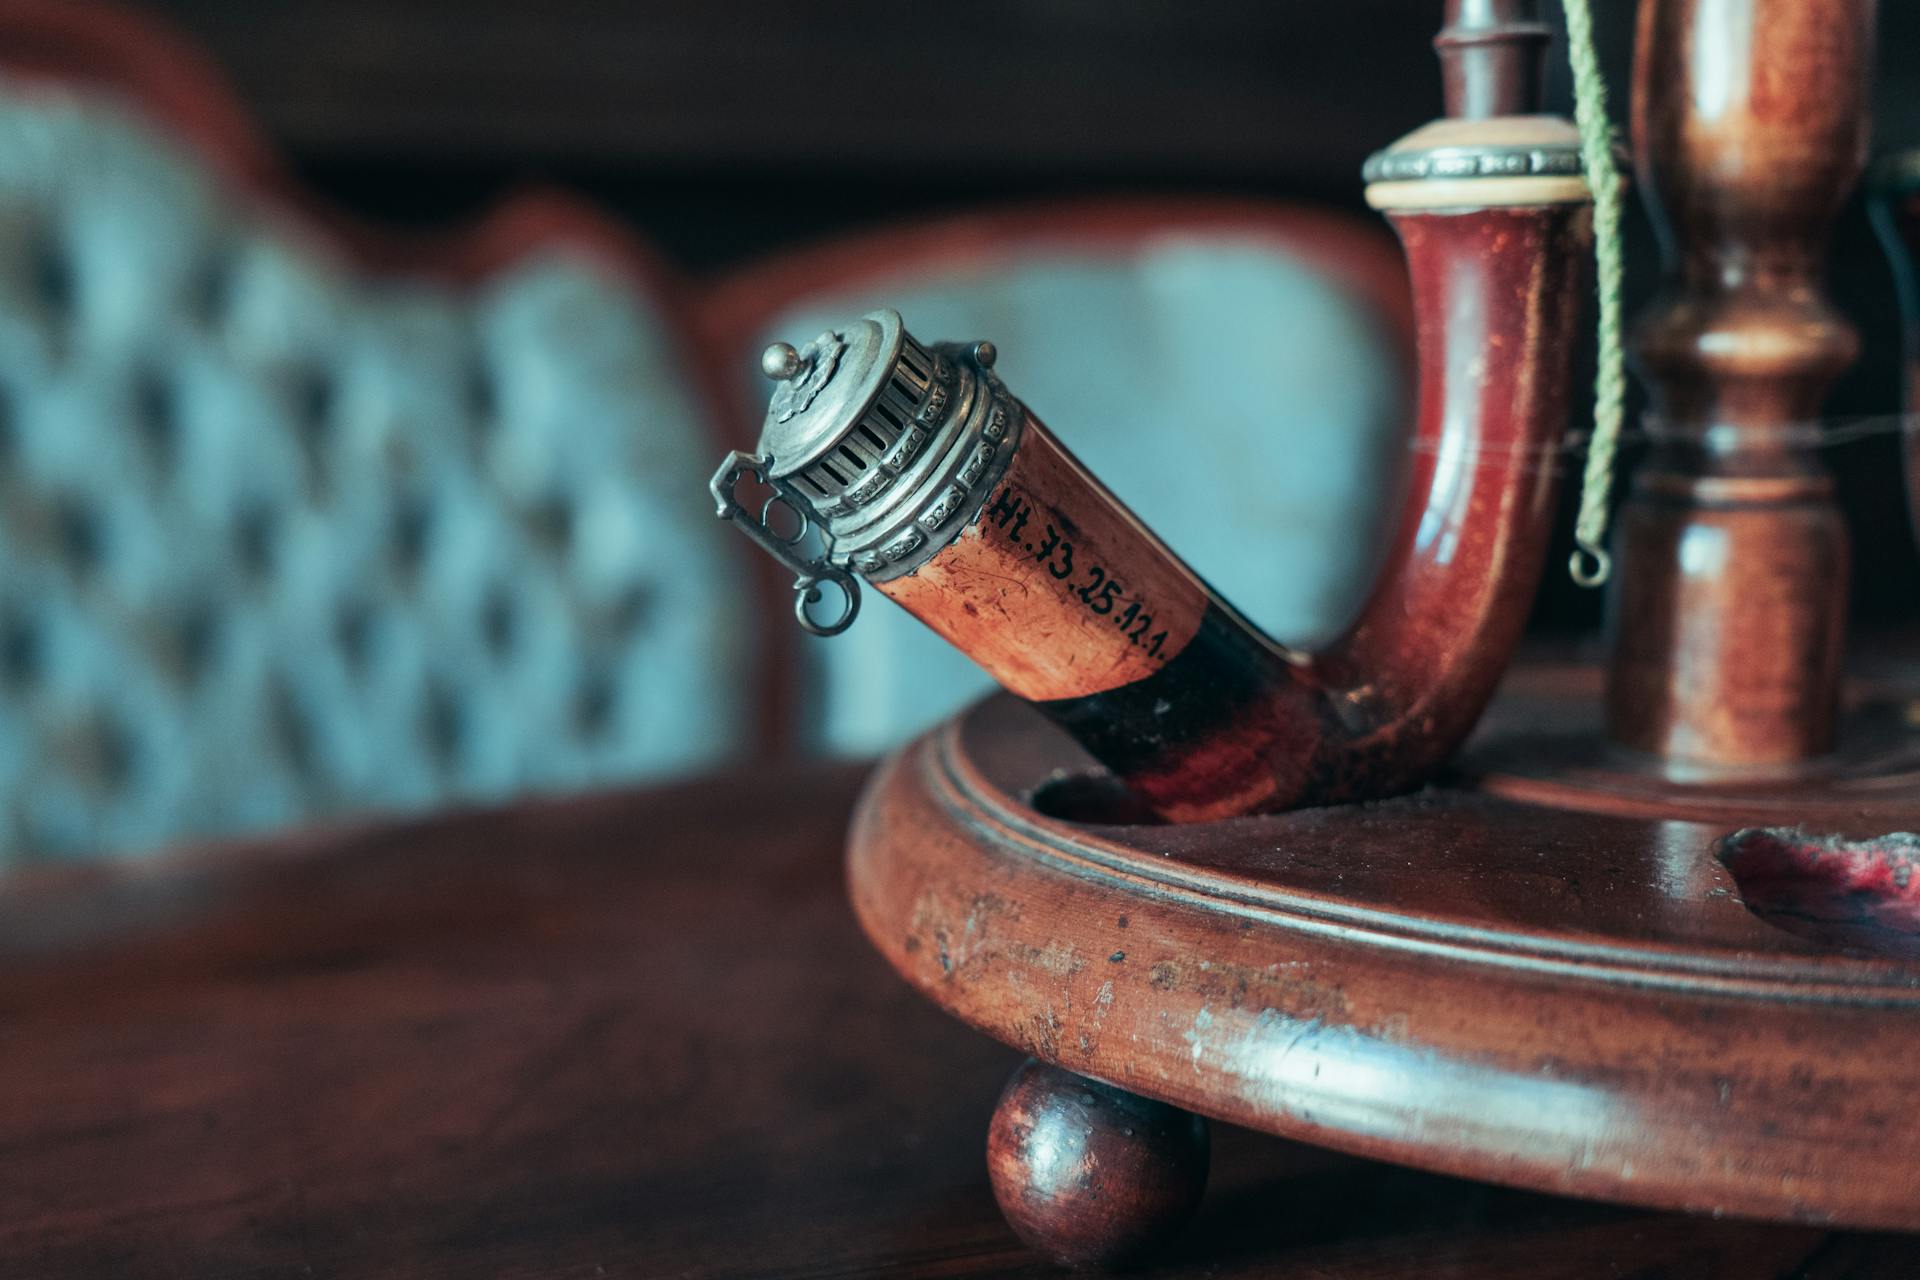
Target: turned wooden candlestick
[1750,128]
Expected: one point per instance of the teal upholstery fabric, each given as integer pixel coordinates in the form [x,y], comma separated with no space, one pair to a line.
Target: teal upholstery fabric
[279,539]
[1244,402]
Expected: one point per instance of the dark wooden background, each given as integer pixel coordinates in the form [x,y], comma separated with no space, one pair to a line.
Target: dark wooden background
[730,128]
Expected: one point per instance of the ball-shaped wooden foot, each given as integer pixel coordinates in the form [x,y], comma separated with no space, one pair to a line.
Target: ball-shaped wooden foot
[1090,1175]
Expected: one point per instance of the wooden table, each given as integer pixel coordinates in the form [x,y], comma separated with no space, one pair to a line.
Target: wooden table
[633,1034]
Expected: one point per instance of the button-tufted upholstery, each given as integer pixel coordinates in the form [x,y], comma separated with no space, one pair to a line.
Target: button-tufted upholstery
[281,537]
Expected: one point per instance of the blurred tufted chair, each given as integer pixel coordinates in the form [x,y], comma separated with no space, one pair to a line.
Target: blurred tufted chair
[295,521]
[1238,372]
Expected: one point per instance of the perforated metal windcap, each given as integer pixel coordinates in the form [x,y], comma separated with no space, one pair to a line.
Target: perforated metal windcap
[882,446]
[823,387]
[851,410]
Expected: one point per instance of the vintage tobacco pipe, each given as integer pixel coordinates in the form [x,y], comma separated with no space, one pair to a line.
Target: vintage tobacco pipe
[926,478]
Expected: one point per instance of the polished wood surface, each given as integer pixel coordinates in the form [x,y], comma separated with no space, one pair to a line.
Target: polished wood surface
[634,1035]
[1456,980]
[1750,124]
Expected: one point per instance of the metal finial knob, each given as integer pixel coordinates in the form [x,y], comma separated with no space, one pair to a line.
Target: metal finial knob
[984,354]
[780,362]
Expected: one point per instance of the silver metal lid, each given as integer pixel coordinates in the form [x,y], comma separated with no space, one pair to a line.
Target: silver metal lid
[823,386]
[880,448]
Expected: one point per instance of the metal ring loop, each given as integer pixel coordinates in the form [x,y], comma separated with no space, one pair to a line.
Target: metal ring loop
[799,512]
[808,592]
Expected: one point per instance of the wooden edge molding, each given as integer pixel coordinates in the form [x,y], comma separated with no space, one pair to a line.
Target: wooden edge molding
[1722,1067]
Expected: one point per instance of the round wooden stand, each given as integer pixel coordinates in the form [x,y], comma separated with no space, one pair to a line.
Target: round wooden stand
[1551,972]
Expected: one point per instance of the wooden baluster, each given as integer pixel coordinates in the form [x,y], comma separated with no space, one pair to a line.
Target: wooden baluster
[1750,128]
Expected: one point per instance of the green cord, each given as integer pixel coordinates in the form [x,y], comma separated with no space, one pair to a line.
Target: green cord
[1591,564]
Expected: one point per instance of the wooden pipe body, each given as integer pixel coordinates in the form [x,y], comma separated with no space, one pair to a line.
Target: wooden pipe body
[1750,129]
[944,493]
[1061,594]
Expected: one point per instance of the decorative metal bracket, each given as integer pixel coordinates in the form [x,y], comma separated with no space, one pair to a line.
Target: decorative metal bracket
[810,571]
